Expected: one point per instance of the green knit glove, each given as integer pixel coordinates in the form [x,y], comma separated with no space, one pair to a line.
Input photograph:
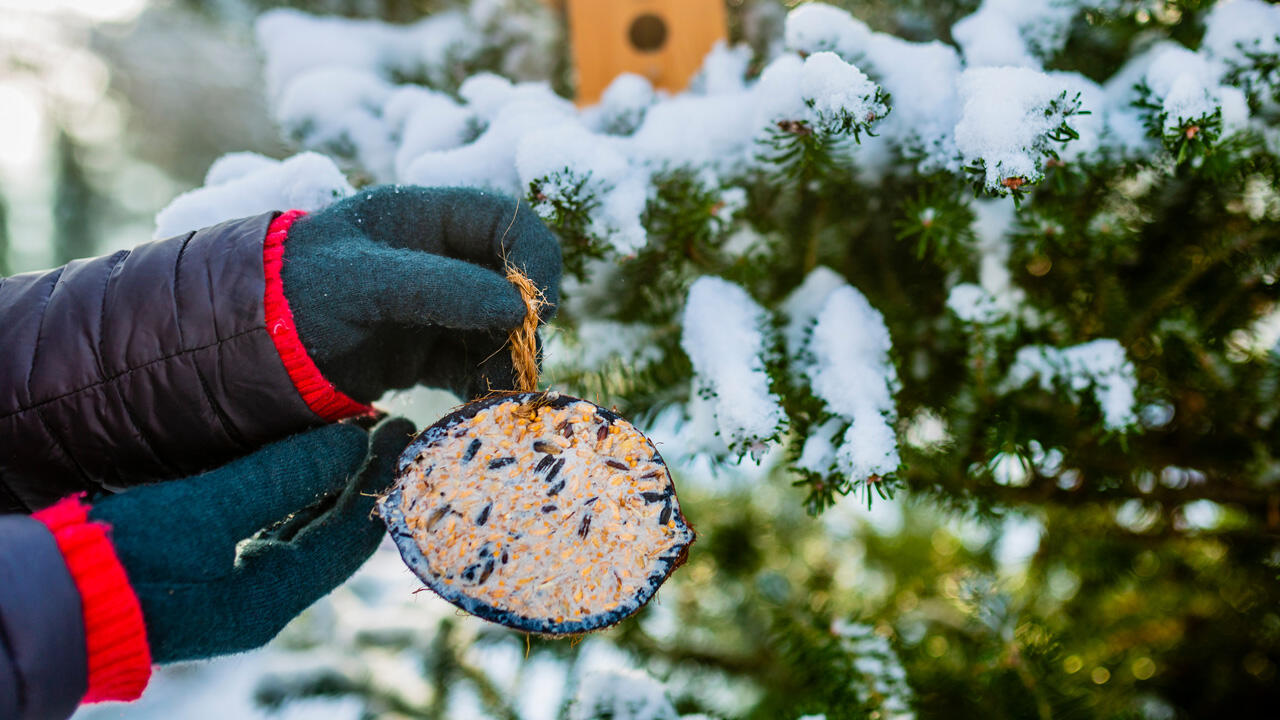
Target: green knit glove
[400,285]
[209,582]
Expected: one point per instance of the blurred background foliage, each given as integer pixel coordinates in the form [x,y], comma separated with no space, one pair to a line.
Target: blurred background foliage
[1131,588]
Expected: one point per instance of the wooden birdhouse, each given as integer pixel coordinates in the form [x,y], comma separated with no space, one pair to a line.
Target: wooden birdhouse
[663,40]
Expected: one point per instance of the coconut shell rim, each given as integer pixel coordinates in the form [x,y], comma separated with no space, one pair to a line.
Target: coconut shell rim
[389,508]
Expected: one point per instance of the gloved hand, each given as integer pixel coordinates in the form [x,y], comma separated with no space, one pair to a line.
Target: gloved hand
[202,592]
[400,285]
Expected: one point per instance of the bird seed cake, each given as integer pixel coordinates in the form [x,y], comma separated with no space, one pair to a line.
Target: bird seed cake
[539,511]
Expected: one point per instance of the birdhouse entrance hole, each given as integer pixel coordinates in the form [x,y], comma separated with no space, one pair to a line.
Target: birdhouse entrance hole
[648,33]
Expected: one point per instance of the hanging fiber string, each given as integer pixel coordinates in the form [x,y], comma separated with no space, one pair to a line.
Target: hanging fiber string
[524,339]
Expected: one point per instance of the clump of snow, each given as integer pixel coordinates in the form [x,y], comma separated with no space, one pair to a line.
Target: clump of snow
[818,455]
[723,335]
[724,70]
[338,111]
[920,77]
[817,27]
[596,343]
[884,680]
[296,42]
[1013,32]
[853,374]
[236,165]
[512,112]
[1020,33]
[803,304]
[820,90]
[1186,86]
[973,304]
[1236,27]
[568,161]
[841,345]
[1100,364]
[248,186]
[621,695]
[1007,115]
[835,89]
[421,121]
[622,106]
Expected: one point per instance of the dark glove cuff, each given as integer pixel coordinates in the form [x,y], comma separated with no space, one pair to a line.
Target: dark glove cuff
[320,395]
[115,634]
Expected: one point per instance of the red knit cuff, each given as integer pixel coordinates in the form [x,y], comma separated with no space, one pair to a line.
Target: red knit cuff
[115,634]
[320,395]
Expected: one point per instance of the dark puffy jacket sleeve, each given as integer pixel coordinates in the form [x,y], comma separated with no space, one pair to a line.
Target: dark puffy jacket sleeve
[43,669]
[149,364]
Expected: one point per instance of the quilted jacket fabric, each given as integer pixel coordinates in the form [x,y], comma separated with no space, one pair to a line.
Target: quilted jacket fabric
[149,364]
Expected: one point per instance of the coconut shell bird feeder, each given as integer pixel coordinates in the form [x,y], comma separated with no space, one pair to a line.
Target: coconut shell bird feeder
[537,510]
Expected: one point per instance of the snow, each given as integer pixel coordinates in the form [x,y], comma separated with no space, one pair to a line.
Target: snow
[296,42]
[236,165]
[834,88]
[723,335]
[1100,364]
[803,304]
[597,343]
[815,27]
[307,181]
[567,153]
[1016,33]
[337,111]
[1234,27]
[921,77]
[853,374]
[973,304]
[621,695]
[490,160]
[818,455]
[1006,114]
[723,71]
[504,135]
[840,344]
[1019,33]
[622,106]
[1186,85]
[420,121]
[887,689]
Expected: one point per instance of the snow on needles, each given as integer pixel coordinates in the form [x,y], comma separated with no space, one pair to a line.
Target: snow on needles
[723,335]
[1006,119]
[845,358]
[1236,27]
[505,136]
[1100,364]
[621,695]
[834,88]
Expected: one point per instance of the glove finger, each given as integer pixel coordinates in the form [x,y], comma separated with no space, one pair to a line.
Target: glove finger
[475,365]
[388,437]
[281,579]
[481,227]
[503,230]
[386,443]
[391,285]
[188,529]
[534,250]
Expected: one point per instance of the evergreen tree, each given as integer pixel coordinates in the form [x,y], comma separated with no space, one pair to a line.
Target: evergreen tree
[74,205]
[1013,264]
